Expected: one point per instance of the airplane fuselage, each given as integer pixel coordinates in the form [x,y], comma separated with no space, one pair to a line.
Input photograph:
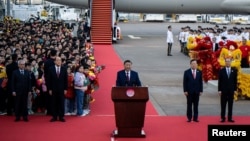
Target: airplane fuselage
[172,6]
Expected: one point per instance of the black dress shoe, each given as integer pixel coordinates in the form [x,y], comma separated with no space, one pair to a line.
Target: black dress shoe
[230,120]
[62,120]
[17,119]
[223,120]
[196,120]
[189,120]
[53,120]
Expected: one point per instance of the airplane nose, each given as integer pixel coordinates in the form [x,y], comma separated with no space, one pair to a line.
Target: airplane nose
[238,6]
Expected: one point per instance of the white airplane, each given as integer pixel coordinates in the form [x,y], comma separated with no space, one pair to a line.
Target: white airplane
[171,6]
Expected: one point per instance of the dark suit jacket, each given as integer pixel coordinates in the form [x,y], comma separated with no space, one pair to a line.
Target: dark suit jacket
[9,70]
[32,79]
[192,85]
[48,63]
[57,84]
[225,84]
[121,79]
[21,83]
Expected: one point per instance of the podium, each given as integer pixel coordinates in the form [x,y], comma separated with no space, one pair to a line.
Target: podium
[130,107]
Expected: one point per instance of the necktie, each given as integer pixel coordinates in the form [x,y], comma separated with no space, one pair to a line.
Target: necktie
[194,74]
[228,72]
[57,72]
[127,76]
[22,72]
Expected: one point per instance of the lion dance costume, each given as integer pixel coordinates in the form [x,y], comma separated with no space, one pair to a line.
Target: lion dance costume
[201,50]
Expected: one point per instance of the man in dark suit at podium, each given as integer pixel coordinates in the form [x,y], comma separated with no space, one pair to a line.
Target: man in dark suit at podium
[129,115]
[127,77]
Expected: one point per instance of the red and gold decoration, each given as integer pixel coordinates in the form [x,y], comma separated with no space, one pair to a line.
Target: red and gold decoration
[231,50]
[243,85]
[201,49]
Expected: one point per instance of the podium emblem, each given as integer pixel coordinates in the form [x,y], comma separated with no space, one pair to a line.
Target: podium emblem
[130,92]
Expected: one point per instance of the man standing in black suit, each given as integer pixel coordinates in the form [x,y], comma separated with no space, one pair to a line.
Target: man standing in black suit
[193,88]
[127,77]
[57,86]
[9,70]
[21,87]
[227,87]
[48,63]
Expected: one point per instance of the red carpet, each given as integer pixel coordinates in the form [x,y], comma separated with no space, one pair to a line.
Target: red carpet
[98,128]
[101,122]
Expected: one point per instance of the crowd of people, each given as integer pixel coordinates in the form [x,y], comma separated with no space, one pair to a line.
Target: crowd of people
[45,68]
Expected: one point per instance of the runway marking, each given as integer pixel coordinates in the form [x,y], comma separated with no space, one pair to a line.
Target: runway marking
[133,37]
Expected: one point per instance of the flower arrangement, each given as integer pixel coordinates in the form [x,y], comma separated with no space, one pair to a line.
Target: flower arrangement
[89,49]
[93,76]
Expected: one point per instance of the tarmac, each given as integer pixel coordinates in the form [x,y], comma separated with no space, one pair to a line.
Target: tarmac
[144,43]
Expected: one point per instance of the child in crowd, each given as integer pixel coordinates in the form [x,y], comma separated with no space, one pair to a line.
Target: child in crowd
[33,86]
[80,89]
